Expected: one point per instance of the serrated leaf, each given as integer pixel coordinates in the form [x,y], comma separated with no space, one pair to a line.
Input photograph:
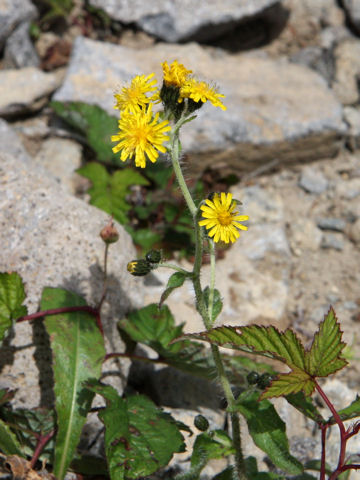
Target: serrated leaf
[267,430]
[12,295]
[30,424]
[9,444]
[306,406]
[156,329]
[95,125]
[266,341]
[324,356]
[176,280]
[108,192]
[139,437]
[287,383]
[78,351]
[217,303]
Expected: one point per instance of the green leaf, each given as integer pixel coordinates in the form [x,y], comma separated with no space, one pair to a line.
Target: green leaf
[9,444]
[208,446]
[78,352]
[349,412]
[94,124]
[109,192]
[266,341]
[324,356]
[217,302]
[176,280]
[139,437]
[267,430]
[144,237]
[12,295]
[156,329]
[29,424]
[290,383]
[305,405]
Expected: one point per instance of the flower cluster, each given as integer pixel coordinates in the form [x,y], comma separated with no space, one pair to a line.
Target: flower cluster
[143,133]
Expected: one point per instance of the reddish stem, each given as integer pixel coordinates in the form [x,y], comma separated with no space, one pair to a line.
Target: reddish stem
[43,440]
[323,450]
[343,433]
[56,311]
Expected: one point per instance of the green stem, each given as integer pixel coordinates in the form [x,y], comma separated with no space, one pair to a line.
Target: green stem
[212,278]
[175,155]
[174,267]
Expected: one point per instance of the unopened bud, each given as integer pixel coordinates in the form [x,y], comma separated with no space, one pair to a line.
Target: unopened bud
[139,268]
[109,234]
[153,256]
[201,423]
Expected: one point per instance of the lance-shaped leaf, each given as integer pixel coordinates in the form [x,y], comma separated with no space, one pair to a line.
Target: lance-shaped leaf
[139,437]
[324,356]
[78,352]
[12,295]
[267,341]
[217,303]
[176,280]
[8,442]
[267,430]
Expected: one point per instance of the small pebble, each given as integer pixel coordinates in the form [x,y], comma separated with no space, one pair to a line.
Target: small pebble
[330,223]
[332,240]
[313,181]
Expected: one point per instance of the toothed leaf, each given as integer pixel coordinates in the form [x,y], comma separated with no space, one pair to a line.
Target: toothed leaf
[324,356]
[288,383]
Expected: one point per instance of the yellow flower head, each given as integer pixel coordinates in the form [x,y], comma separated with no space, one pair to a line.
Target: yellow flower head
[201,92]
[141,135]
[134,98]
[220,218]
[175,75]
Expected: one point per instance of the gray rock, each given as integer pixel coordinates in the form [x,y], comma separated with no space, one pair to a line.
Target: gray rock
[313,181]
[262,239]
[334,224]
[304,235]
[348,189]
[347,65]
[181,20]
[61,157]
[352,8]
[25,90]
[11,144]
[354,232]
[275,109]
[12,13]
[333,241]
[318,59]
[352,118]
[261,205]
[19,50]
[52,239]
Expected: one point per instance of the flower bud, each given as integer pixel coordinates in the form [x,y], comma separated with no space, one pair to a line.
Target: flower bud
[201,423]
[109,234]
[264,380]
[139,268]
[253,378]
[153,256]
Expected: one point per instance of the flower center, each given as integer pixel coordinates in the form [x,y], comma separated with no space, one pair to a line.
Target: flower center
[224,218]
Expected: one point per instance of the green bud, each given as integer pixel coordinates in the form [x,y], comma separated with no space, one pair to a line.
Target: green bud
[201,423]
[253,378]
[153,256]
[139,268]
[264,380]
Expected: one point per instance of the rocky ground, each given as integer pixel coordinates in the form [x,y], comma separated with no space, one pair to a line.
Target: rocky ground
[291,133]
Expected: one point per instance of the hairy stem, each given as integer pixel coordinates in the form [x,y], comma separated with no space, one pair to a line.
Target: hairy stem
[212,279]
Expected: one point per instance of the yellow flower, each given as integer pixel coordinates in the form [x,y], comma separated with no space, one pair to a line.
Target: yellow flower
[175,75]
[133,98]
[220,218]
[141,135]
[201,92]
